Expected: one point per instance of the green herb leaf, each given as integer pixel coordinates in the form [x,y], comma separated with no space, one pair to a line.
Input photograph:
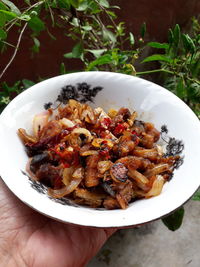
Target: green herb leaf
[176,33]
[181,88]
[87,28]
[196,196]
[174,220]
[157,57]
[143,30]
[109,36]
[27,83]
[12,6]
[170,36]
[64,4]
[3,34]
[9,15]
[96,52]
[36,46]
[77,50]
[104,3]
[188,43]
[83,6]
[28,2]
[2,6]
[112,14]
[25,17]
[68,55]
[105,59]
[62,68]
[75,3]
[131,38]
[158,45]
[36,24]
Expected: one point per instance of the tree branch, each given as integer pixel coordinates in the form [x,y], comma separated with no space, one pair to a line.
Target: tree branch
[15,52]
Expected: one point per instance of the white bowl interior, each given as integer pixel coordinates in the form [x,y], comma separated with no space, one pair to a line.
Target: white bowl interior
[152,102]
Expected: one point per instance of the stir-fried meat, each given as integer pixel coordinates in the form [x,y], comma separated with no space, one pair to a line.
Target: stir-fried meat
[94,158]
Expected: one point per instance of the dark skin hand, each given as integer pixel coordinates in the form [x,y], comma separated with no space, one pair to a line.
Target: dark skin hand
[28,238]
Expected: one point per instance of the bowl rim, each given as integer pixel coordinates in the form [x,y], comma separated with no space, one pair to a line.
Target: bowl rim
[104,225]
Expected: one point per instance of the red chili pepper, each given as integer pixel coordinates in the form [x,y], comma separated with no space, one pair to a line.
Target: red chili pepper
[65,164]
[119,129]
[105,123]
[134,132]
[71,128]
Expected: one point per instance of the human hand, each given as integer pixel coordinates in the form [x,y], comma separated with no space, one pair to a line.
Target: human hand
[28,238]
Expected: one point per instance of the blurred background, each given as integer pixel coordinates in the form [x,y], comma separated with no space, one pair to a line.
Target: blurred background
[158,15]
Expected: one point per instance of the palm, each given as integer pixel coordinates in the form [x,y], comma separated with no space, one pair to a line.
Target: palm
[31,239]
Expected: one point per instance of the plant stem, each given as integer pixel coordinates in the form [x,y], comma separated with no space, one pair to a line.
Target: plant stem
[166,71]
[15,52]
[154,71]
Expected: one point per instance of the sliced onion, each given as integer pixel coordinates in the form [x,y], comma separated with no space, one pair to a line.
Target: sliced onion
[162,167]
[156,187]
[140,179]
[67,123]
[26,138]
[39,121]
[123,204]
[58,193]
[67,175]
[78,131]
[31,174]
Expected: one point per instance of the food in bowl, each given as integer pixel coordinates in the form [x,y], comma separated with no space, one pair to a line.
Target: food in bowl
[96,158]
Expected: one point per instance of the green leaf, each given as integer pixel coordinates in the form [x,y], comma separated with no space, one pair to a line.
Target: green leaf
[68,55]
[12,6]
[9,15]
[131,38]
[96,52]
[196,196]
[3,34]
[87,28]
[25,17]
[2,20]
[28,2]
[83,6]
[170,36]
[176,33]
[36,24]
[158,45]
[104,3]
[157,57]
[109,36]
[188,43]
[62,68]
[27,83]
[105,59]
[2,6]
[112,14]
[181,88]
[75,3]
[36,46]
[174,220]
[64,4]
[143,29]
[77,50]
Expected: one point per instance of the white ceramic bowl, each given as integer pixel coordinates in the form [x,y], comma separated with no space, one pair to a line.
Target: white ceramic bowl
[153,103]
